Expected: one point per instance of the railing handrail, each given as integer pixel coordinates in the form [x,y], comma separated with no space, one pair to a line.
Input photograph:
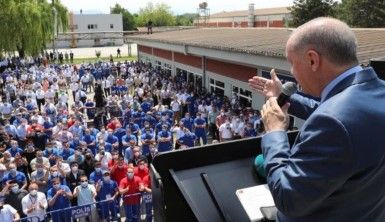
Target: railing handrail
[74,207]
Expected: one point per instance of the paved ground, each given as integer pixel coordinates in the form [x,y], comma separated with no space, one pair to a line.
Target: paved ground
[105,51]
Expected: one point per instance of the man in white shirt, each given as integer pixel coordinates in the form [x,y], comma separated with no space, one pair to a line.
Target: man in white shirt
[106,85]
[74,77]
[8,213]
[175,107]
[225,131]
[63,97]
[80,96]
[50,94]
[237,126]
[85,81]
[104,157]
[74,87]
[35,203]
[40,98]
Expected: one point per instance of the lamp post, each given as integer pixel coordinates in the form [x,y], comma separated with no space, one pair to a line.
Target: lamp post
[54,12]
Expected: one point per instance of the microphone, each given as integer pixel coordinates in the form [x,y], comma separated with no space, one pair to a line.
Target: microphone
[288,89]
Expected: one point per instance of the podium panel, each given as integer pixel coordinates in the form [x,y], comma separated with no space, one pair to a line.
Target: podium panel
[199,184]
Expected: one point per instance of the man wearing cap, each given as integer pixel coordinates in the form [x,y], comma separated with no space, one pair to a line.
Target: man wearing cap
[107,189]
[129,189]
[35,203]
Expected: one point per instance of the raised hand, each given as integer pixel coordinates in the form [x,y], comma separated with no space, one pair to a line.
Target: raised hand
[267,87]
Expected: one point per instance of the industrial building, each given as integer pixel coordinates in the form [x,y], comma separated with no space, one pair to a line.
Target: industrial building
[223,59]
[266,17]
[92,30]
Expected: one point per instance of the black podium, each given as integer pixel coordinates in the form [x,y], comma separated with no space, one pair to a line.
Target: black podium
[199,184]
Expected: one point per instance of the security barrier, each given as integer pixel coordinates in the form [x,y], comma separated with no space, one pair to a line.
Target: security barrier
[105,209]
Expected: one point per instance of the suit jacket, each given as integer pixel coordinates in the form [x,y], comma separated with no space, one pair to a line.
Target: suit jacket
[72,182]
[335,171]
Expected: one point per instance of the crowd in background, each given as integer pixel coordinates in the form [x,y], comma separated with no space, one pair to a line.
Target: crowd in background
[75,134]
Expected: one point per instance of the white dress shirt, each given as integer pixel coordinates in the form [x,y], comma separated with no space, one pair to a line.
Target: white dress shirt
[28,201]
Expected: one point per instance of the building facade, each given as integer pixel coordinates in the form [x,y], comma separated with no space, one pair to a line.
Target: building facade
[267,17]
[222,60]
[91,30]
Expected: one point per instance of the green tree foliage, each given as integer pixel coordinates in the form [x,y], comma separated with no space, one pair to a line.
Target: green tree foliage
[304,10]
[185,19]
[159,14]
[128,18]
[27,25]
[363,13]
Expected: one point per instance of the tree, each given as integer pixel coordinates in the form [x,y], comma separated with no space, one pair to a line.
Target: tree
[186,19]
[27,25]
[363,13]
[160,15]
[306,10]
[128,18]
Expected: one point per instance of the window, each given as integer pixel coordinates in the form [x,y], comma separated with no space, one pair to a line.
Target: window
[244,96]
[217,87]
[111,26]
[167,66]
[92,26]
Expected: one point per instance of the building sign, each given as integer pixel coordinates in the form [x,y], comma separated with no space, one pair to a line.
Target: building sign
[81,211]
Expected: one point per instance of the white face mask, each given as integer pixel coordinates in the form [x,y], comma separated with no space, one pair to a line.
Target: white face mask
[14,189]
[33,192]
[141,167]
[130,175]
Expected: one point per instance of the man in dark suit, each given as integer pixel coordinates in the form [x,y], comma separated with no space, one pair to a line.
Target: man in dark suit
[73,177]
[335,171]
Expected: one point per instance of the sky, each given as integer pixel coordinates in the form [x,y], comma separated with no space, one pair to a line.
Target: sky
[177,6]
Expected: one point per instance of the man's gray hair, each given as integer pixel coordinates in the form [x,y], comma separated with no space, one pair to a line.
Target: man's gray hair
[331,38]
